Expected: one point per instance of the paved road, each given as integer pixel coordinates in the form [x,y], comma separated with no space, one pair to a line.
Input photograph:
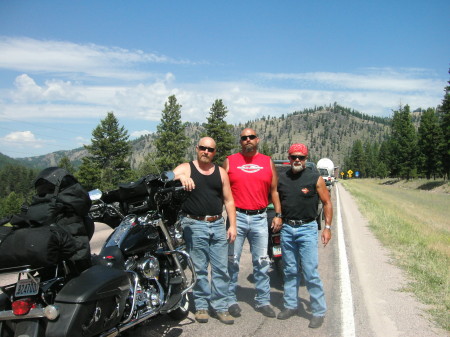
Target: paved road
[252,323]
[361,288]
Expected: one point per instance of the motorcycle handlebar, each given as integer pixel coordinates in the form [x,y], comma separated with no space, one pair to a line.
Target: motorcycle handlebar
[171,189]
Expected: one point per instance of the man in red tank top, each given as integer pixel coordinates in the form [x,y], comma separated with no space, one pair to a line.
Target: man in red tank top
[252,178]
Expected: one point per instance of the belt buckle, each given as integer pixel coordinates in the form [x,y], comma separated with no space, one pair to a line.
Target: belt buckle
[211,218]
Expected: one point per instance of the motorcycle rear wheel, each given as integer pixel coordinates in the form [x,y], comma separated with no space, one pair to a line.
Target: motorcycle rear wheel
[279,267]
[183,311]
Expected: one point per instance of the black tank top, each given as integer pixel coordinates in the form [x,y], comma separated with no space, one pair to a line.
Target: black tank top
[206,198]
[298,194]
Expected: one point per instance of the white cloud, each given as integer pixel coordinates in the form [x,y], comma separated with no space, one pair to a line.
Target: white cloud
[22,139]
[80,141]
[245,101]
[49,56]
[389,80]
[372,91]
[60,81]
[68,87]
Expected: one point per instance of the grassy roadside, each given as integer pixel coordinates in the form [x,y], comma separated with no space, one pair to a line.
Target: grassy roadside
[413,220]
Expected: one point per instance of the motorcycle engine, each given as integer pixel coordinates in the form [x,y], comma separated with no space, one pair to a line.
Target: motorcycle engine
[147,299]
[149,267]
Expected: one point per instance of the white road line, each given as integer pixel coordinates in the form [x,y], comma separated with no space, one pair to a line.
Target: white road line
[347,319]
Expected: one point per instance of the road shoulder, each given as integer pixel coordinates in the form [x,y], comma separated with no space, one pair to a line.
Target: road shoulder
[390,312]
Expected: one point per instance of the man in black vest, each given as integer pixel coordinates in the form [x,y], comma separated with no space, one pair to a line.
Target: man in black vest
[204,229]
[299,189]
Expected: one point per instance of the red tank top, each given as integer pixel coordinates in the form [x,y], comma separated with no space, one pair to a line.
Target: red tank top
[250,179]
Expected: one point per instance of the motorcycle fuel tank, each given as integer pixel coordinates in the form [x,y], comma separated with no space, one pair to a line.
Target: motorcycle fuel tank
[133,237]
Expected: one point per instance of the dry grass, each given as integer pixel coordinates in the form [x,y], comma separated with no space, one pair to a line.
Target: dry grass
[413,220]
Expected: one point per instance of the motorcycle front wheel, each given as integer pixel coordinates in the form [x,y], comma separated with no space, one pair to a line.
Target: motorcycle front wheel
[183,311]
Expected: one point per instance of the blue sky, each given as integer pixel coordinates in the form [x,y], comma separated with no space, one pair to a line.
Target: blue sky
[65,64]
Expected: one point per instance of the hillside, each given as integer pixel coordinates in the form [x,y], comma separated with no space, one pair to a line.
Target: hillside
[5,160]
[52,159]
[328,132]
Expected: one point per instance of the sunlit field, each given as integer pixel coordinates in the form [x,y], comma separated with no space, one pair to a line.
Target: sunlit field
[413,220]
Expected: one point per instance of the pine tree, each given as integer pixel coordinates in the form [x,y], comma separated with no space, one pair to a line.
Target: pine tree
[370,156]
[66,164]
[383,160]
[18,179]
[265,149]
[171,141]
[430,141]
[11,204]
[108,161]
[444,111]
[403,144]
[148,166]
[89,175]
[357,161]
[218,129]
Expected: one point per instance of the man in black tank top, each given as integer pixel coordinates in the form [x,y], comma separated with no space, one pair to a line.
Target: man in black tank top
[204,229]
[299,189]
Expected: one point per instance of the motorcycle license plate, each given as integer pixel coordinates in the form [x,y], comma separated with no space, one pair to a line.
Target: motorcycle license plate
[27,287]
[276,250]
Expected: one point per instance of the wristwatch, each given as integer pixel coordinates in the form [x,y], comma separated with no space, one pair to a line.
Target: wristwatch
[278,215]
[328,227]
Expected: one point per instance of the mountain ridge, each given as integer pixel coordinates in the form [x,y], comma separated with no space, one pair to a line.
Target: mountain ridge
[327,131]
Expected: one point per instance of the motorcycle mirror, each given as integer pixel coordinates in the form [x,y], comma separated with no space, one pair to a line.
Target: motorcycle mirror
[167,176]
[95,194]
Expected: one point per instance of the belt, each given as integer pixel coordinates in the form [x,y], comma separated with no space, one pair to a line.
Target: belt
[292,222]
[251,211]
[209,218]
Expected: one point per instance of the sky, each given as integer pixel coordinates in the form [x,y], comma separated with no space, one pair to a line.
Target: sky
[65,64]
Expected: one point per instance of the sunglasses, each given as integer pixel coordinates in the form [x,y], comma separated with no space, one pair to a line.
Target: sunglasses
[204,148]
[301,158]
[249,137]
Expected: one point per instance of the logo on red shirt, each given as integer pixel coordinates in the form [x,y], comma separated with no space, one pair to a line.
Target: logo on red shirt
[250,168]
[305,190]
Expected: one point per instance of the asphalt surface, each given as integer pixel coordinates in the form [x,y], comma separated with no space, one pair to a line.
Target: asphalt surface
[375,306]
[362,289]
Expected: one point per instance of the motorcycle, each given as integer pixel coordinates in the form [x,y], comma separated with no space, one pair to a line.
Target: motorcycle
[141,271]
[274,244]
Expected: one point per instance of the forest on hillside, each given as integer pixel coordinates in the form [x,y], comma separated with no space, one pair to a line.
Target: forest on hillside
[407,145]
[329,131]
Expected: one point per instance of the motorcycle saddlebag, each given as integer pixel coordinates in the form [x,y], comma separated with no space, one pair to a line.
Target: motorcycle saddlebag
[36,246]
[90,303]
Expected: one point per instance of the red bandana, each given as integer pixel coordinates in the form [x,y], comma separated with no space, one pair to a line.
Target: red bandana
[298,148]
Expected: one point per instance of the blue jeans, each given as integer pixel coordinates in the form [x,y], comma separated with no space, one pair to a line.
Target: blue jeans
[206,243]
[254,228]
[299,244]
